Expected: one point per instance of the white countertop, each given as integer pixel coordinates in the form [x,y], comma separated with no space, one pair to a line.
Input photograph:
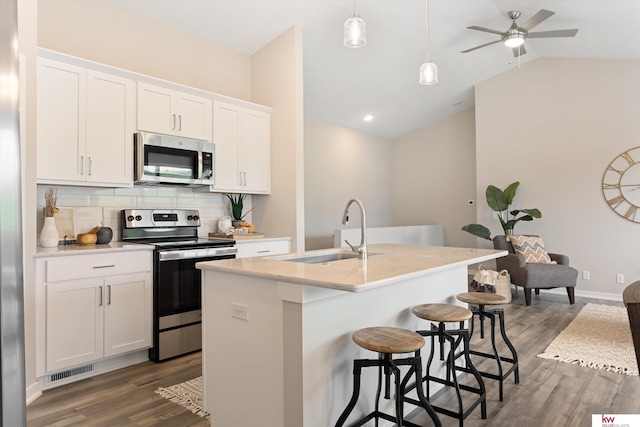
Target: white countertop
[63,250]
[387,263]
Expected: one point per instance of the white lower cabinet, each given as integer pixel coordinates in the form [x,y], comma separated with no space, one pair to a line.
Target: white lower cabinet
[101,308]
[263,248]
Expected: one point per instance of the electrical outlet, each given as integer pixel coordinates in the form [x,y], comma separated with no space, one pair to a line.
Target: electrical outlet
[586,275]
[619,278]
[240,311]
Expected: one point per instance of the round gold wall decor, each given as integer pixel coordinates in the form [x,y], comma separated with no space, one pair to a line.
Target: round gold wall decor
[621,185]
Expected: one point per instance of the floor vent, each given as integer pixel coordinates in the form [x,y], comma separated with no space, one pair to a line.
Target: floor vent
[70,373]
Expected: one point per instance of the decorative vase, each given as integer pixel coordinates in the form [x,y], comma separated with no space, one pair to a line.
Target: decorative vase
[49,233]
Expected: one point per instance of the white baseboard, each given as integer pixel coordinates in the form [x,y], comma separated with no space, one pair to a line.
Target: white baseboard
[588,294]
[33,392]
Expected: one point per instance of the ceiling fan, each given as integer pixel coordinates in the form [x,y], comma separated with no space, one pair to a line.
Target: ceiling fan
[515,36]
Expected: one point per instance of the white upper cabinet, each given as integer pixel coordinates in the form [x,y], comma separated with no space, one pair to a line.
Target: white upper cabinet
[173,112]
[85,122]
[242,139]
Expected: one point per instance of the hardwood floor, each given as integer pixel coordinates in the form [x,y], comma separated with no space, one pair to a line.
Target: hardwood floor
[120,398]
[550,393]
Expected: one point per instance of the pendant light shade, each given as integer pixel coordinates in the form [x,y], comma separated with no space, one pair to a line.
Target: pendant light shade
[355,30]
[428,73]
[428,70]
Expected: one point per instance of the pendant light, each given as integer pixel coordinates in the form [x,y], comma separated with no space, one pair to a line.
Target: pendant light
[428,70]
[355,30]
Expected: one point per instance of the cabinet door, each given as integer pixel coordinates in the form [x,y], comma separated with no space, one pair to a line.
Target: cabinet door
[255,151]
[194,116]
[226,137]
[156,109]
[110,128]
[61,121]
[127,313]
[74,331]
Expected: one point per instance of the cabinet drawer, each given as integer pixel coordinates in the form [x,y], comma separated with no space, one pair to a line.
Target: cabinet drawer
[96,265]
[252,249]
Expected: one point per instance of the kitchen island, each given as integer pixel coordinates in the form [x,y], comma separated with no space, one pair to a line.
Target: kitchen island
[277,347]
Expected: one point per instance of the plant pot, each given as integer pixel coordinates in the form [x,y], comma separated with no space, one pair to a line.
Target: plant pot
[236,223]
[49,233]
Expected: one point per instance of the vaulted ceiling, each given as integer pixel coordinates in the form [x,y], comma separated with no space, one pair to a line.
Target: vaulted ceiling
[343,85]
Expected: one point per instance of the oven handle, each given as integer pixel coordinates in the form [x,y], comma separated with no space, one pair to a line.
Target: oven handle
[169,255]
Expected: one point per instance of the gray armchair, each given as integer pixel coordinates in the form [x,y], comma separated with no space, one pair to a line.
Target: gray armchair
[536,276]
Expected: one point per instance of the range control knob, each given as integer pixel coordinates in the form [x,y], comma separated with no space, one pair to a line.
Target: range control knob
[196,217]
[189,217]
[130,218]
[138,217]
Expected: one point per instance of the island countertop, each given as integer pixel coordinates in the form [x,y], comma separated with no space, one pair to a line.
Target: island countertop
[386,264]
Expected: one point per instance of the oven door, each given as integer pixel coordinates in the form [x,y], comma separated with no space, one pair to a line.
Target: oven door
[177,284]
[177,323]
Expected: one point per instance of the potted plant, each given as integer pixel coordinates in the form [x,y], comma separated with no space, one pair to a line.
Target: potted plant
[237,206]
[499,201]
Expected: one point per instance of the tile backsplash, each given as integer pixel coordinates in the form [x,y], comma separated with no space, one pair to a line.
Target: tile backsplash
[212,206]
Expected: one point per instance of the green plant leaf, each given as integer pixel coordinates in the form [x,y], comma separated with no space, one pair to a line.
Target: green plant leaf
[496,199]
[535,213]
[510,191]
[478,230]
[237,205]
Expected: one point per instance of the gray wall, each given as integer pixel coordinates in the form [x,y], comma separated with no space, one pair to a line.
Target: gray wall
[555,125]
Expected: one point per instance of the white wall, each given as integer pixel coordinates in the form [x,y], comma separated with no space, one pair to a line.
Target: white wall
[554,125]
[276,80]
[105,33]
[434,177]
[342,163]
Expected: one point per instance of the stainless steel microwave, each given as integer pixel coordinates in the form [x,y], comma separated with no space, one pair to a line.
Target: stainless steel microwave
[167,159]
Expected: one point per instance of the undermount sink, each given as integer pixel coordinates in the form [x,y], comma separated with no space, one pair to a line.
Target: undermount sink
[323,258]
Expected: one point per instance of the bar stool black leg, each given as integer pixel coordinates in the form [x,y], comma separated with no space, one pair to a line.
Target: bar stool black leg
[516,374]
[491,314]
[417,368]
[357,370]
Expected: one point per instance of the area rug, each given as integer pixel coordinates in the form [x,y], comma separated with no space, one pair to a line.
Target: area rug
[599,338]
[187,394]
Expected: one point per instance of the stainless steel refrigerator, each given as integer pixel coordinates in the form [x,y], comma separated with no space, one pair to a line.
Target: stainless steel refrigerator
[12,392]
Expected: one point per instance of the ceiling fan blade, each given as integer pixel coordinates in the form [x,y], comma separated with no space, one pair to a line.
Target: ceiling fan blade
[536,19]
[482,45]
[554,33]
[518,51]
[486,30]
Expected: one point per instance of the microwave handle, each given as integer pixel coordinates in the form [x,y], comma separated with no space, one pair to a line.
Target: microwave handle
[139,157]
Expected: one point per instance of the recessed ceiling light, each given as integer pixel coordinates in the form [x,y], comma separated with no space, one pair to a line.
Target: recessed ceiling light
[368,118]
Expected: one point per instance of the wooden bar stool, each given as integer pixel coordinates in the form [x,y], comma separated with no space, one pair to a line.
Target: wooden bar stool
[387,341]
[443,313]
[478,301]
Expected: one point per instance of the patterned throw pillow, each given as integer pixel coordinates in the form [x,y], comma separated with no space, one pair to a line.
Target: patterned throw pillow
[531,248]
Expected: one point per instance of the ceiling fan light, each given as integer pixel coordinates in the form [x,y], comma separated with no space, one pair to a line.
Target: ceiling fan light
[513,40]
[428,73]
[355,32]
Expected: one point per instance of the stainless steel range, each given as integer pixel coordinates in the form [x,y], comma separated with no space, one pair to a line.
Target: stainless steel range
[177,316]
